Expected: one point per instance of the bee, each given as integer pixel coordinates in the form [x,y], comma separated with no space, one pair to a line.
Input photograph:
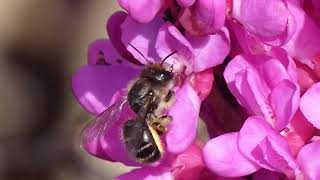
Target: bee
[142,141]
[147,97]
[152,89]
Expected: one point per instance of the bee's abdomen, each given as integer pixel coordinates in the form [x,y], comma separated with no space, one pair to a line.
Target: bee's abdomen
[140,142]
[148,153]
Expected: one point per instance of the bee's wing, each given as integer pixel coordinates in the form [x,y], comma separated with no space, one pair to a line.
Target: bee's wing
[101,124]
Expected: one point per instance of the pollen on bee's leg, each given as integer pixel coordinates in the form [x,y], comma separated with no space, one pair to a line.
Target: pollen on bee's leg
[161,123]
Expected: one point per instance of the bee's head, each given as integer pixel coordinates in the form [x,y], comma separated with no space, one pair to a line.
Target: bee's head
[157,74]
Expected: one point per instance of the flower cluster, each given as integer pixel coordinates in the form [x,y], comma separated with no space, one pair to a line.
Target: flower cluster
[249,68]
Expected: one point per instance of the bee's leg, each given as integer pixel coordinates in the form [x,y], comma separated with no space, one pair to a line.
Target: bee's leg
[170,98]
[161,123]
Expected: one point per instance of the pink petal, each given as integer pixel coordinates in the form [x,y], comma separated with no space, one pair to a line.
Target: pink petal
[309,160]
[252,79]
[309,105]
[221,155]
[210,50]
[264,174]
[93,86]
[298,132]
[269,20]
[102,51]
[202,83]
[189,165]
[260,143]
[142,37]
[147,174]
[185,3]
[306,76]
[115,33]
[182,129]
[170,39]
[284,100]
[142,11]
[248,43]
[204,17]
[303,46]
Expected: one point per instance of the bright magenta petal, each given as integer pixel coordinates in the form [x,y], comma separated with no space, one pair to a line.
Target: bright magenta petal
[210,50]
[115,33]
[269,20]
[170,40]
[303,46]
[284,100]
[309,160]
[221,155]
[310,103]
[142,37]
[94,86]
[264,174]
[204,17]
[147,174]
[185,114]
[142,11]
[260,143]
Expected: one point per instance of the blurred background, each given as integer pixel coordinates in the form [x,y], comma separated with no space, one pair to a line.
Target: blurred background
[42,43]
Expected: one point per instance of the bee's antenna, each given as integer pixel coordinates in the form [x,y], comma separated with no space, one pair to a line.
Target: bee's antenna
[168,57]
[140,53]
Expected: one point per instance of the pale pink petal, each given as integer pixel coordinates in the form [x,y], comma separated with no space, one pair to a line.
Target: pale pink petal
[260,143]
[221,155]
[284,100]
[269,20]
[204,17]
[170,40]
[182,129]
[94,86]
[142,37]
[309,160]
[147,174]
[310,103]
[142,11]
[210,50]
[303,45]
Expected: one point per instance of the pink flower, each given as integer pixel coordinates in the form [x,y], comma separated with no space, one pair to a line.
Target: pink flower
[186,166]
[260,107]
[265,85]
[199,17]
[271,21]
[98,85]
